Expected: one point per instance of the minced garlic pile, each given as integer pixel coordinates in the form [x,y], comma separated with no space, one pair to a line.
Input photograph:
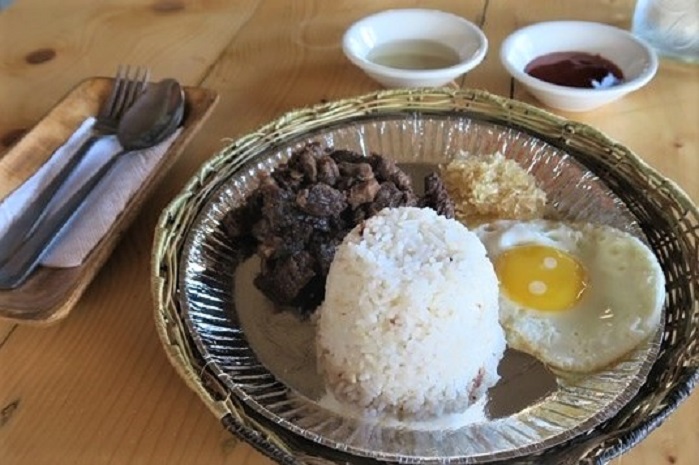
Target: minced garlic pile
[489,187]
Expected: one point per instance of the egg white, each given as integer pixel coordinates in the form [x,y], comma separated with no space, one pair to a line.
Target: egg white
[619,309]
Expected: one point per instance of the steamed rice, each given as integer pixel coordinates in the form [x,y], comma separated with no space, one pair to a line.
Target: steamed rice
[409,325]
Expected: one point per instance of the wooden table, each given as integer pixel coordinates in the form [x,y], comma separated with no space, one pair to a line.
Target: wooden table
[96,388]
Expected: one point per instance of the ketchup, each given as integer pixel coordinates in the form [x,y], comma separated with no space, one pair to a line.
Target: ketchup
[575,69]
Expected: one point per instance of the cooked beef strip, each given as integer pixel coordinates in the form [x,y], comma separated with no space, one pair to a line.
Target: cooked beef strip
[323,248]
[388,196]
[356,171]
[283,280]
[347,155]
[328,172]
[306,163]
[388,170]
[321,200]
[436,196]
[363,192]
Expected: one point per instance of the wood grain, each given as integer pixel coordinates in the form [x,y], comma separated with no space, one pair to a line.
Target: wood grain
[97,388]
[92,38]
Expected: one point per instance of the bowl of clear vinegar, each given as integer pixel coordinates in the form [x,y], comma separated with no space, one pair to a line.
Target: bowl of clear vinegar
[414,47]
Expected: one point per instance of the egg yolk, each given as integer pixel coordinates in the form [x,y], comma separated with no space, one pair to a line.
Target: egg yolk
[541,277]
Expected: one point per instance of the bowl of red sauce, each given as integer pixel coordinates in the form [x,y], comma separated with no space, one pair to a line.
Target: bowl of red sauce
[577,65]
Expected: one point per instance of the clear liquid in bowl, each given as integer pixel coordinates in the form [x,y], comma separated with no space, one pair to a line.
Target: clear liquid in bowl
[414,55]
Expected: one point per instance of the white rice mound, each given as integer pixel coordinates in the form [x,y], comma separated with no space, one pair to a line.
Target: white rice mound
[409,325]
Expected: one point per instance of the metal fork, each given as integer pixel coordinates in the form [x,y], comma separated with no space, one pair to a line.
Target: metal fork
[128,85]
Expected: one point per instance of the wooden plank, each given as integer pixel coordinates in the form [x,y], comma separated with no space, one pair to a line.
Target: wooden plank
[674,443]
[47,48]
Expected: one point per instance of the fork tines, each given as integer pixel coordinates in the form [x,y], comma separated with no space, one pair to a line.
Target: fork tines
[129,83]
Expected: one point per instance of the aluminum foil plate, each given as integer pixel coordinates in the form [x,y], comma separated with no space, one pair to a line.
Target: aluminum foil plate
[266,357]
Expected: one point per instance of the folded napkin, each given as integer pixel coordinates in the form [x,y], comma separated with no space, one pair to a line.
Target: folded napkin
[103,204]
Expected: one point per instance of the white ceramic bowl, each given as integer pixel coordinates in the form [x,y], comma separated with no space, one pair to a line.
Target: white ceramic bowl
[635,58]
[389,26]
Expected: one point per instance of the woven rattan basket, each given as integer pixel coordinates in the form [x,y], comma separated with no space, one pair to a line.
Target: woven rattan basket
[666,215]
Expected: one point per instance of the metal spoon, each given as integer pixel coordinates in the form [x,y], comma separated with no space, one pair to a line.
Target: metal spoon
[153,118]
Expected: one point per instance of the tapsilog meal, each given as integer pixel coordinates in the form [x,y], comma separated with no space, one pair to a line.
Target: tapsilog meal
[411,308]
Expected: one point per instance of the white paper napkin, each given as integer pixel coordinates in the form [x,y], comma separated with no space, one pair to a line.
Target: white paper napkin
[103,204]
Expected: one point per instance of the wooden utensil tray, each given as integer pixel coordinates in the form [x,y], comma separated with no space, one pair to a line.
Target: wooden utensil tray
[50,293]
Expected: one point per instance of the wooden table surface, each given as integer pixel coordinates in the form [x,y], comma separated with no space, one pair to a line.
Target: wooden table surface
[96,388]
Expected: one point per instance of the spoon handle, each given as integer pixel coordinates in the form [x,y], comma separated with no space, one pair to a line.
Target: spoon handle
[26,257]
[27,220]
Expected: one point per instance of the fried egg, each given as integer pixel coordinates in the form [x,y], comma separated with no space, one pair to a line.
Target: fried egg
[576,296]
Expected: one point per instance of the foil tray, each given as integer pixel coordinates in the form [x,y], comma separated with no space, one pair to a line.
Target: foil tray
[266,358]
